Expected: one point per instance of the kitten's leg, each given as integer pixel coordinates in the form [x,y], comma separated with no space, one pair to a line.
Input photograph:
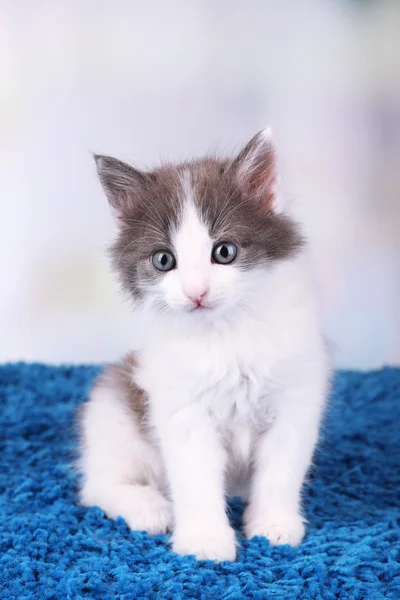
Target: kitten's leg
[121,468]
[282,459]
[195,461]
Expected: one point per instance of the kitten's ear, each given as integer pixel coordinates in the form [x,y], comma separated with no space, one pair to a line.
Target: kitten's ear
[256,170]
[122,183]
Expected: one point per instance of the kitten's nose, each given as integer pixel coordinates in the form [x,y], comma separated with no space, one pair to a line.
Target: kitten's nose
[197,297]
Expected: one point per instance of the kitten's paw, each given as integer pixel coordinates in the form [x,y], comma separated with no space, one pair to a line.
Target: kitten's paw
[217,543]
[150,512]
[142,507]
[278,528]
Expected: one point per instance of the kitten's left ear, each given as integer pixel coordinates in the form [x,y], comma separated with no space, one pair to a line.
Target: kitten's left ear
[122,184]
[256,170]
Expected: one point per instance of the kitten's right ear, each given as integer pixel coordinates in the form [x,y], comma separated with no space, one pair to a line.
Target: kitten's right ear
[256,171]
[122,184]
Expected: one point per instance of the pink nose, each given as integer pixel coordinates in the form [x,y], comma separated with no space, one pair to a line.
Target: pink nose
[198,297]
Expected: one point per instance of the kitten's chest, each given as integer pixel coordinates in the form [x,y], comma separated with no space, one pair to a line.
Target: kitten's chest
[236,393]
[241,408]
[230,378]
[227,374]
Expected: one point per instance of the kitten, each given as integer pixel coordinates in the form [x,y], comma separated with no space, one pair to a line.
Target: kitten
[225,396]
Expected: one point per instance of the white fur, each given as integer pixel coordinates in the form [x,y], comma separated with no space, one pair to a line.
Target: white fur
[236,395]
[122,472]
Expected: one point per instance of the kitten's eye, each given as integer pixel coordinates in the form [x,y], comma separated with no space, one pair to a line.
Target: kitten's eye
[224,253]
[163,260]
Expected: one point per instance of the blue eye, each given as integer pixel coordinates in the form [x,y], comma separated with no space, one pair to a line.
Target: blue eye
[224,253]
[164,261]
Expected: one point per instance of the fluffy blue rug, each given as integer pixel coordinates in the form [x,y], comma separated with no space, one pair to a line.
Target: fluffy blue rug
[51,549]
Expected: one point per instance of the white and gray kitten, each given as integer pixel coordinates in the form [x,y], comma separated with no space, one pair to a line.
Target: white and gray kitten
[225,395]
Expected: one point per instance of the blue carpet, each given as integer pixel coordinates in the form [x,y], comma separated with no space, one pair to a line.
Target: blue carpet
[51,549]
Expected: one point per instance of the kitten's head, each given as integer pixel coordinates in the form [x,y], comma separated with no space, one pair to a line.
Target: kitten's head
[196,238]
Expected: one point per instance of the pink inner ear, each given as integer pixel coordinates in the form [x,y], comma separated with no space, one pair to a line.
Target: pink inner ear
[123,207]
[270,197]
[263,183]
[256,169]
[121,220]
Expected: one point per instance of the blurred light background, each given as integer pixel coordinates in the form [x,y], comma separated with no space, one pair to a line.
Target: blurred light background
[144,80]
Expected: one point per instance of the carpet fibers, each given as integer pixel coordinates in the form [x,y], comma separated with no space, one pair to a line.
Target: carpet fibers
[51,549]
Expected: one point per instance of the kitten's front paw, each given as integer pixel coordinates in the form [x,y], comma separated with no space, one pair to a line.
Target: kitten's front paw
[278,528]
[142,507]
[217,543]
[149,511]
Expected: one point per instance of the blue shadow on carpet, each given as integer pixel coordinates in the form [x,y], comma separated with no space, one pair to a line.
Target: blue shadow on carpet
[51,549]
